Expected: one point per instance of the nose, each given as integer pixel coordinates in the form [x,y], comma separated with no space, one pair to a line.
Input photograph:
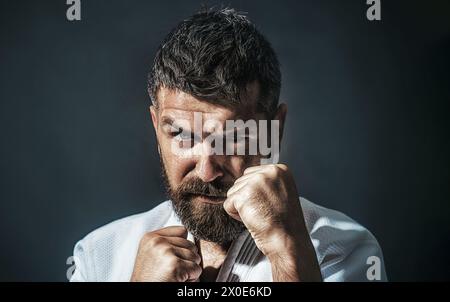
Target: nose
[208,169]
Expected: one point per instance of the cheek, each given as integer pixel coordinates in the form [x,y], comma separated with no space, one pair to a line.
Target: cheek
[176,167]
[172,163]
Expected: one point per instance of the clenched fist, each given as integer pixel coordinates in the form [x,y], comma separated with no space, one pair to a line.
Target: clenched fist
[166,255]
[265,199]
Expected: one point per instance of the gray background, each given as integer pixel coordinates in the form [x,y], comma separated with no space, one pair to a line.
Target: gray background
[366,132]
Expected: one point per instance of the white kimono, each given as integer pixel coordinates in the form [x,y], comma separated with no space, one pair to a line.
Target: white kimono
[346,251]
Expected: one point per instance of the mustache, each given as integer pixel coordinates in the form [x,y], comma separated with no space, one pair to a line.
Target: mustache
[196,186]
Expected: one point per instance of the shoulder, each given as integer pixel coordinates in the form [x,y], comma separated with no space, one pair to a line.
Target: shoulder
[344,247]
[332,226]
[96,254]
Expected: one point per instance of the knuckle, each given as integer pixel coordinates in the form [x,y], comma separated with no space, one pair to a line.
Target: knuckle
[273,168]
[275,171]
[196,257]
[192,247]
[227,202]
[282,167]
[259,178]
[146,239]
[155,241]
[197,270]
[190,254]
[167,250]
[181,274]
[264,178]
[147,236]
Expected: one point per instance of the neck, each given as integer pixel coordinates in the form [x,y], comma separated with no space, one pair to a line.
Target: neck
[213,256]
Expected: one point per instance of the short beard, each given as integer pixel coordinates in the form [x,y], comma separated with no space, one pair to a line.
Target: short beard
[209,222]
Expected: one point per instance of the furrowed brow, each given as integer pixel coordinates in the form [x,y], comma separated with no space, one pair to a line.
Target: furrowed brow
[170,123]
[167,120]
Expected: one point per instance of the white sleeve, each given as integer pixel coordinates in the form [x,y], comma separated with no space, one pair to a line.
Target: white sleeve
[82,265]
[362,263]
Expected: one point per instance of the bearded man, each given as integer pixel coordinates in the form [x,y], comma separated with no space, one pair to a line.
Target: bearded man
[232,216]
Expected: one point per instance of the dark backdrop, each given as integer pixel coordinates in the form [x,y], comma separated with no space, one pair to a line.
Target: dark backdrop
[366,132]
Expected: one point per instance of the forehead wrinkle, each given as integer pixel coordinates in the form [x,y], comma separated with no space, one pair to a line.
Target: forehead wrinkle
[180,100]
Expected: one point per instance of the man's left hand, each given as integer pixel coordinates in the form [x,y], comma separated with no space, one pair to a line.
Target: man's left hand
[266,200]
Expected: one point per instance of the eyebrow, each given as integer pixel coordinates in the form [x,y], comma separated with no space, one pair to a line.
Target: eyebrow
[170,122]
[167,120]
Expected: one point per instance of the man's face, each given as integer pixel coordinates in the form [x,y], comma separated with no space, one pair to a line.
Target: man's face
[197,183]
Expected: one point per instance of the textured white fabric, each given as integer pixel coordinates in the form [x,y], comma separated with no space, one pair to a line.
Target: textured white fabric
[342,248]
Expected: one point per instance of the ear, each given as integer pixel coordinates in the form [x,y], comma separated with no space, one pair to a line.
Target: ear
[154,116]
[280,115]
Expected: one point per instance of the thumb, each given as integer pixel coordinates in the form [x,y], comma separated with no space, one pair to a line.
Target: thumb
[173,231]
[231,210]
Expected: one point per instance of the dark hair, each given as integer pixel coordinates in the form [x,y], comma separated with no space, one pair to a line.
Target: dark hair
[213,56]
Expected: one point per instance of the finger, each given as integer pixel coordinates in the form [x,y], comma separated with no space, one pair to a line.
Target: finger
[183,243]
[187,254]
[253,169]
[248,176]
[173,231]
[189,271]
[231,210]
[283,167]
[236,187]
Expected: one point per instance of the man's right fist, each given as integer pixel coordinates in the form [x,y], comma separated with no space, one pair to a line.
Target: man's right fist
[166,255]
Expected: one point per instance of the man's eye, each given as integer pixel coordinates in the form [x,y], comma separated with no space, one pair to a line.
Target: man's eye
[184,136]
[181,135]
